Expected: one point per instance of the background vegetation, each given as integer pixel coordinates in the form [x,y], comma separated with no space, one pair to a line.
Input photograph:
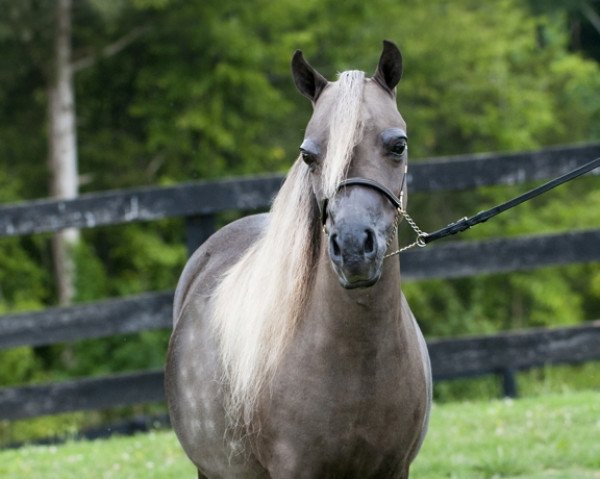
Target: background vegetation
[203,90]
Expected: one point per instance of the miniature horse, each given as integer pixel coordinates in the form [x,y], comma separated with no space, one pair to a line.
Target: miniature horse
[294,352]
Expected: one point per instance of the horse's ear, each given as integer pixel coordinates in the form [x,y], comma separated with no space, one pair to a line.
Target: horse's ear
[308,80]
[389,70]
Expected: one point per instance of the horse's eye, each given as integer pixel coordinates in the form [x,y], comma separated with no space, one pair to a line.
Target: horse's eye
[399,148]
[309,150]
[308,157]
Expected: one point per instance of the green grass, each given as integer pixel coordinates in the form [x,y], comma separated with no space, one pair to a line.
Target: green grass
[555,436]
[153,455]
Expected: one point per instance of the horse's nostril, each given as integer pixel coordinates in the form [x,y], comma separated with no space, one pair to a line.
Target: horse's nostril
[335,247]
[369,242]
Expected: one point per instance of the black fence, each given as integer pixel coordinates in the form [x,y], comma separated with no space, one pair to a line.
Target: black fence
[199,202]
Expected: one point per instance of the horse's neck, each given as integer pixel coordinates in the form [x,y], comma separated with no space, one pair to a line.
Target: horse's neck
[359,315]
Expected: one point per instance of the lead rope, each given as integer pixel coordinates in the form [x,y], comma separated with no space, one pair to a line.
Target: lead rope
[465,223]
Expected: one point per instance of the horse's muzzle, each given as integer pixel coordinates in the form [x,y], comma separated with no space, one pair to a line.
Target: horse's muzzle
[354,253]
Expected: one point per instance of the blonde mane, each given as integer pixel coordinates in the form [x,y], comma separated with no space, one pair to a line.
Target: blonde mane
[258,303]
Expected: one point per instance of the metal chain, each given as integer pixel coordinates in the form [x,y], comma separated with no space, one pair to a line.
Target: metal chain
[420,234]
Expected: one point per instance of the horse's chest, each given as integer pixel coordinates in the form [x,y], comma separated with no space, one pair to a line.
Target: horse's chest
[343,416]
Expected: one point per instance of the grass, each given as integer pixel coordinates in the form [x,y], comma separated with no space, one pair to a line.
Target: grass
[554,436]
[153,455]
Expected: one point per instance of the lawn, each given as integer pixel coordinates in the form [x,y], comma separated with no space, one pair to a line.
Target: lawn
[555,436]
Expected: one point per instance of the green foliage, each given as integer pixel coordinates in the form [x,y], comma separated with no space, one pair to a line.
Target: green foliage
[218,104]
[124,353]
[92,280]
[547,297]
[22,281]
[486,83]
[19,365]
[131,259]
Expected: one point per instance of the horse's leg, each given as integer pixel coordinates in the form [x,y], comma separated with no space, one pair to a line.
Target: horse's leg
[404,474]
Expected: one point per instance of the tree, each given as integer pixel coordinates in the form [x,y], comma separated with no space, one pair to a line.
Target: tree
[45,32]
[62,146]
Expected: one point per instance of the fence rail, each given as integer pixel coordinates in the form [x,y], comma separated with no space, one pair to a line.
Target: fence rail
[450,359]
[199,202]
[151,311]
[207,198]
[87,394]
[100,319]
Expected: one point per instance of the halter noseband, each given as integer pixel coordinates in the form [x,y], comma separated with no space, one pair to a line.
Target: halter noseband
[357,181]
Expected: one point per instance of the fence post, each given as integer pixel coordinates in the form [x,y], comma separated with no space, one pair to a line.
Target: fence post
[509,383]
[197,230]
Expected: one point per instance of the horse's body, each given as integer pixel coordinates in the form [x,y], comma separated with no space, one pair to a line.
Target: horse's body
[335,382]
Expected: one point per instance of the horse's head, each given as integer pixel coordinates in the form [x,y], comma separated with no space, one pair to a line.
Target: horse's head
[355,147]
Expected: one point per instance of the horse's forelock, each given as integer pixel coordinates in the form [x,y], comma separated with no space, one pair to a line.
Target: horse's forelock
[345,129]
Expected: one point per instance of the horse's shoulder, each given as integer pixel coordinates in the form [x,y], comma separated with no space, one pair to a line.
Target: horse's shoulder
[215,256]
[249,227]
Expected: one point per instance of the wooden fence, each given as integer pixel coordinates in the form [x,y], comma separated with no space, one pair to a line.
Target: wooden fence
[199,202]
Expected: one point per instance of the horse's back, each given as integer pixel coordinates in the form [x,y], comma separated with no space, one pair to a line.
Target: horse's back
[193,375]
[219,252]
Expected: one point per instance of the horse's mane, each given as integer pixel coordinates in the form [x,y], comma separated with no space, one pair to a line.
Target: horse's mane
[260,300]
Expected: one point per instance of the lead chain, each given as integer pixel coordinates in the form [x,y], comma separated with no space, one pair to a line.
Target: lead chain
[420,234]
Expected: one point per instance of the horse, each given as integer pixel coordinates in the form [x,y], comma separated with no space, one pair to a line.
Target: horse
[294,353]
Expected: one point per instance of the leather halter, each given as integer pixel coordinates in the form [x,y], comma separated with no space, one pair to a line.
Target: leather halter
[357,181]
